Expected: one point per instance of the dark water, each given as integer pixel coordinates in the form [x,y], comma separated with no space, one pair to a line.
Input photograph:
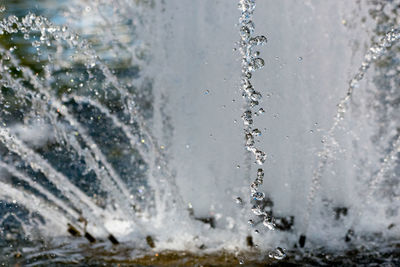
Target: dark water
[77,252]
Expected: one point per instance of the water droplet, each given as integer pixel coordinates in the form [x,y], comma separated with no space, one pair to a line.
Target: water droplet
[269,223]
[254,187]
[260,173]
[256,64]
[354,83]
[258,195]
[257,210]
[244,32]
[259,40]
[256,132]
[278,254]
[35,43]
[260,157]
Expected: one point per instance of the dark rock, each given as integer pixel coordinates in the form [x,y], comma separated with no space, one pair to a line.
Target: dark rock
[284,223]
[349,235]
[113,239]
[302,241]
[150,241]
[73,231]
[249,241]
[90,237]
[340,212]
[207,220]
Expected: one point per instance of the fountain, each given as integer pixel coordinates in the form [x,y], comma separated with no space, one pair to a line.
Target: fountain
[121,141]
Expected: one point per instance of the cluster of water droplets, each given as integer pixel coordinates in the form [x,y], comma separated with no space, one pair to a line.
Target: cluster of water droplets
[251,61]
[329,142]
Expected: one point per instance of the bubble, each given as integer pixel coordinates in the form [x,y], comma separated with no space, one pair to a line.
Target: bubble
[300,58]
[238,200]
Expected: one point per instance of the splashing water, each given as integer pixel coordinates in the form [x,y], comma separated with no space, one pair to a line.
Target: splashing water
[118,141]
[329,142]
